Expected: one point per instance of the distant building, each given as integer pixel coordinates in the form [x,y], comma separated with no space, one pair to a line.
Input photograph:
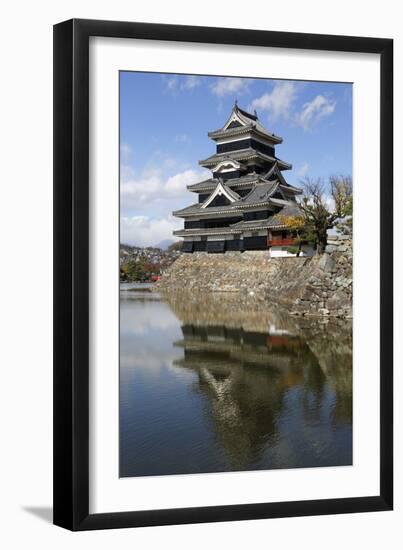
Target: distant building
[238,206]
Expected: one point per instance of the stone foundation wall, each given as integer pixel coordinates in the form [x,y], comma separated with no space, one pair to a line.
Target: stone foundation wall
[321,285]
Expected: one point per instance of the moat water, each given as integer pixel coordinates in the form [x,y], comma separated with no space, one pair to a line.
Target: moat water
[218,383]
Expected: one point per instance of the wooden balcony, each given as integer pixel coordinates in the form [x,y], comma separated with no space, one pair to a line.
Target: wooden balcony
[289,241]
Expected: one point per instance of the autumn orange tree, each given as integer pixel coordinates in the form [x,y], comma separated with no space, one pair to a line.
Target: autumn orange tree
[297,225]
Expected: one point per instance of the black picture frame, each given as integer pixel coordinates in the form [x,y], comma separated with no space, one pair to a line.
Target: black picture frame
[71,274]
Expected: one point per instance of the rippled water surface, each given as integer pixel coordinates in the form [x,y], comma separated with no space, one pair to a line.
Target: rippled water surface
[214,383]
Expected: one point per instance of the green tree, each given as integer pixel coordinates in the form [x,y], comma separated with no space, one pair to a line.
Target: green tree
[133,270]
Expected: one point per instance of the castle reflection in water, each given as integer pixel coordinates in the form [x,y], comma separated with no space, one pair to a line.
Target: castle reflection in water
[240,388]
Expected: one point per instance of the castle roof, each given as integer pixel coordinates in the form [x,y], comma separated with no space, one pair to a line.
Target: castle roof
[197,209]
[238,195]
[241,121]
[209,184]
[274,221]
[221,189]
[245,181]
[243,154]
[261,194]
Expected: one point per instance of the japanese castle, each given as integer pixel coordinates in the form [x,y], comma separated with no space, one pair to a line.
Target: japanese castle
[238,206]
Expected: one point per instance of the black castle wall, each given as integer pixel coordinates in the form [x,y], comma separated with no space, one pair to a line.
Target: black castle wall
[216,222]
[234,245]
[255,243]
[245,144]
[258,215]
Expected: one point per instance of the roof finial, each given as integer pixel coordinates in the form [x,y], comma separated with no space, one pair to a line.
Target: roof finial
[236,102]
[255,113]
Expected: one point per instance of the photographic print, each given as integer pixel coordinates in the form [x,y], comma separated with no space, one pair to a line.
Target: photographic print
[236,203]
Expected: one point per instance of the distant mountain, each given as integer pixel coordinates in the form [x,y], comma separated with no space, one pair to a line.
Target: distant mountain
[126,249]
[163,245]
[130,249]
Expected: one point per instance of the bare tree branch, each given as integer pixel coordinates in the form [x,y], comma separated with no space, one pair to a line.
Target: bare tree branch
[316,208]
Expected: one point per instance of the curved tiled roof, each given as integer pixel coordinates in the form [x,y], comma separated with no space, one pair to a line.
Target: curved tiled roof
[210,184]
[260,193]
[250,123]
[291,209]
[244,113]
[243,154]
[243,181]
[197,209]
[207,231]
[273,221]
[268,192]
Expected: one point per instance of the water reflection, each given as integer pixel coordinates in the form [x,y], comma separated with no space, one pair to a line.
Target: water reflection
[219,383]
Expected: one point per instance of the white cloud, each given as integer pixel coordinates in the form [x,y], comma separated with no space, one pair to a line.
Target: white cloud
[125,153]
[146,231]
[172,83]
[190,82]
[329,201]
[175,185]
[175,84]
[152,186]
[303,169]
[277,103]
[126,172]
[313,111]
[229,85]
[182,138]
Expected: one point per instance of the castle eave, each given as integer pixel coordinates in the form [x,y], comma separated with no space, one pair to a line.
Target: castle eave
[197,210]
[238,228]
[246,195]
[243,154]
[206,231]
[210,184]
[243,121]
[291,189]
[248,128]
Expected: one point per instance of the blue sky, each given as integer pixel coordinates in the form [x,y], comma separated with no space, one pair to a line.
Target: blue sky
[164,120]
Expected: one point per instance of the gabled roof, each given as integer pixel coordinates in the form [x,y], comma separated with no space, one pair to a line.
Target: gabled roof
[239,117]
[221,189]
[247,121]
[243,154]
[261,194]
[242,113]
[244,182]
[209,185]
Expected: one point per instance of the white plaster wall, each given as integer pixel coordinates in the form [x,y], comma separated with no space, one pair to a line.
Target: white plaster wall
[281,252]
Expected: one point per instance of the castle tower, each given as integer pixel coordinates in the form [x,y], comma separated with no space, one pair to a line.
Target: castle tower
[238,206]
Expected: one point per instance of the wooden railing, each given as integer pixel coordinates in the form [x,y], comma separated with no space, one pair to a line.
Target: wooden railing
[289,241]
